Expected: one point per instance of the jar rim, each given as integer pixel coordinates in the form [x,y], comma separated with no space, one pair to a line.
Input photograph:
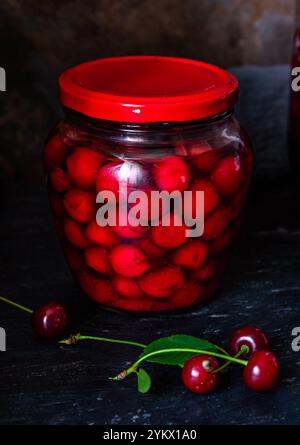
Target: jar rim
[145,89]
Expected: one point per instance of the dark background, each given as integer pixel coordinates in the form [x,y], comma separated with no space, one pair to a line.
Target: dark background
[39,39]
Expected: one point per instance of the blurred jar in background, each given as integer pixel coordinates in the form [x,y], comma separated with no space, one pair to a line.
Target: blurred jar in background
[294,118]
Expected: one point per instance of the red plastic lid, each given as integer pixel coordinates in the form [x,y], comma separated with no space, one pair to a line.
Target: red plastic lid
[148,89]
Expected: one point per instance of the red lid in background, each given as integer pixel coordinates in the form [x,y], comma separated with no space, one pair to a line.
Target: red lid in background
[148,89]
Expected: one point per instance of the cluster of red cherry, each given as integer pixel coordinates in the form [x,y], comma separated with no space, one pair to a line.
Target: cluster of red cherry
[150,267]
[261,371]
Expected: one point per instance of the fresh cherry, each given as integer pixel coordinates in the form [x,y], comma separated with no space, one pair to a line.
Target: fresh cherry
[50,320]
[250,336]
[262,371]
[197,374]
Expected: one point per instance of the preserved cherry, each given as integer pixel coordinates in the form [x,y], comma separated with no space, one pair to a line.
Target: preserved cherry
[129,261]
[83,167]
[75,233]
[80,205]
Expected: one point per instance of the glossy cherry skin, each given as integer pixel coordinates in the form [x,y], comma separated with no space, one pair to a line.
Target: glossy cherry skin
[197,376]
[50,320]
[262,371]
[251,336]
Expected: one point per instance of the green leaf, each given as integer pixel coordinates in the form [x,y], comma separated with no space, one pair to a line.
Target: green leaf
[176,341]
[144,381]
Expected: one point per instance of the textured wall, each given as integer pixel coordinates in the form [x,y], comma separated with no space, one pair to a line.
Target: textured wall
[226,32]
[38,39]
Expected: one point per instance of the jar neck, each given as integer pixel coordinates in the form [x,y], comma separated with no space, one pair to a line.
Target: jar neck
[95,125]
[216,131]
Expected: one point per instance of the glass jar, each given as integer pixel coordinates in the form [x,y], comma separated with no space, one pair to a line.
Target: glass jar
[155,125]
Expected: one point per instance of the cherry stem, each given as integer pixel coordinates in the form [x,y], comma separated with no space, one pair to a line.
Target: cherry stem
[26,309]
[135,365]
[243,351]
[73,339]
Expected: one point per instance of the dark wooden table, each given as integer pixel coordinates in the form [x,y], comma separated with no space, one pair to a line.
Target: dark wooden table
[48,384]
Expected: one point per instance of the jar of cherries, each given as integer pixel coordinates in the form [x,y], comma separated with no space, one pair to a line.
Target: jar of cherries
[147,176]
